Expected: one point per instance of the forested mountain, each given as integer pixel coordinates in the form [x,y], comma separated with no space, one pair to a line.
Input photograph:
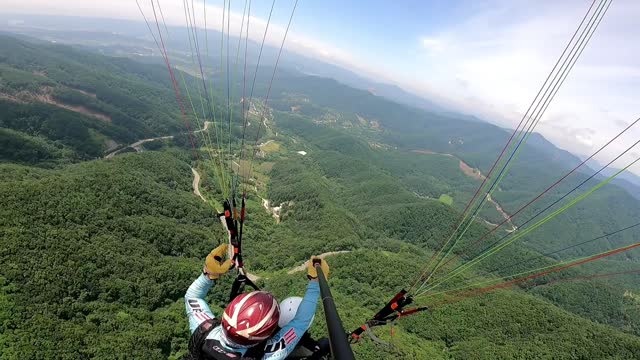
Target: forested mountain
[98,252]
[132,40]
[627,180]
[382,124]
[69,103]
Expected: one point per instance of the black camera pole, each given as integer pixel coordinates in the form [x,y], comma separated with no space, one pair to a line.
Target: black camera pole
[340,347]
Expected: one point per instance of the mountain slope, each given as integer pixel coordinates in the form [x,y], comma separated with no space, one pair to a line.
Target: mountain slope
[126,42]
[388,125]
[81,100]
[626,180]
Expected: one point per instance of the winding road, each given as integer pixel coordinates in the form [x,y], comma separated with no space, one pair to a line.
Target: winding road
[137,146]
[196,184]
[476,174]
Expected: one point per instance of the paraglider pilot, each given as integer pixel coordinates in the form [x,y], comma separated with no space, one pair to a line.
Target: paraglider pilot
[253,325]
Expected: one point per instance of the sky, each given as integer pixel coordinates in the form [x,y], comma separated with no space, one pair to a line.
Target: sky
[482,57]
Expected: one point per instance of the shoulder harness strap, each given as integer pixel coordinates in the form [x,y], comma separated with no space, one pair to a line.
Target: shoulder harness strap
[198,337]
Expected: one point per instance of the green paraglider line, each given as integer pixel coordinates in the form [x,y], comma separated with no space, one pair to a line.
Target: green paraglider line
[498,248]
[211,100]
[548,270]
[266,98]
[234,178]
[563,196]
[219,173]
[547,255]
[253,85]
[571,60]
[506,278]
[191,21]
[425,270]
[474,245]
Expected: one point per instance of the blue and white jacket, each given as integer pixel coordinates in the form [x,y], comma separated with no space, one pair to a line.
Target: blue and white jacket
[277,347]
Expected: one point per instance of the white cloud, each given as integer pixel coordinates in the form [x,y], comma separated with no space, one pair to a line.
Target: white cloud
[433,44]
[584,139]
[499,57]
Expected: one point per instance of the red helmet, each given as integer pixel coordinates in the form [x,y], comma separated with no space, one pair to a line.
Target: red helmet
[251,318]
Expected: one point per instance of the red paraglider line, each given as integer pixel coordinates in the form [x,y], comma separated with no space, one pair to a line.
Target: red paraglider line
[504,149]
[175,83]
[591,277]
[165,57]
[509,218]
[509,283]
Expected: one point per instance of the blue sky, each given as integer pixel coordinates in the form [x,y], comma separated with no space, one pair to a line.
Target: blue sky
[382,34]
[373,25]
[373,31]
[483,57]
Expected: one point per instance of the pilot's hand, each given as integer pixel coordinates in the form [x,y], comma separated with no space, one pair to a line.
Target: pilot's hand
[214,265]
[312,273]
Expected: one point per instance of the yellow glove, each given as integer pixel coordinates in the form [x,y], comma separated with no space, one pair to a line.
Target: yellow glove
[214,267]
[311,269]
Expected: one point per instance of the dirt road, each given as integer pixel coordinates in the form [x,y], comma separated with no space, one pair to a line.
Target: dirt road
[196,184]
[476,174]
[137,146]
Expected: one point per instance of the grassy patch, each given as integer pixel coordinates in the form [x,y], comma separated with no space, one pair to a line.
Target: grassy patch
[266,166]
[446,199]
[270,147]
[255,172]
[242,167]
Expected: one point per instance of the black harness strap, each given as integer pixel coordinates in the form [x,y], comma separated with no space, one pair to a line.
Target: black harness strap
[390,312]
[242,212]
[201,348]
[230,222]
[231,218]
[239,283]
[198,337]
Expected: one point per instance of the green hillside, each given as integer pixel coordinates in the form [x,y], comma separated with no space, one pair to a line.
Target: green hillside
[121,240]
[424,150]
[83,103]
